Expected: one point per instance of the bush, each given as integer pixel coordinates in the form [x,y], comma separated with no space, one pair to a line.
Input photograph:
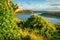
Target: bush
[57,34]
[7,24]
[38,23]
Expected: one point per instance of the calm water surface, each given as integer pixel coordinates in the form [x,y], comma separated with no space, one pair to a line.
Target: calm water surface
[50,19]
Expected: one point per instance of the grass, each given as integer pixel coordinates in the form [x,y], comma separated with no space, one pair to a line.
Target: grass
[31,34]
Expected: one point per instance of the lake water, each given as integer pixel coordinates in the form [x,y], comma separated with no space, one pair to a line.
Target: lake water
[50,19]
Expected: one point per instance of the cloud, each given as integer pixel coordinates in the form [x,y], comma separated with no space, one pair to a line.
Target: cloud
[48,5]
[53,2]
[30,6]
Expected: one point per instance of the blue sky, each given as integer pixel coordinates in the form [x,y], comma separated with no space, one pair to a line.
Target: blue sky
[38,4]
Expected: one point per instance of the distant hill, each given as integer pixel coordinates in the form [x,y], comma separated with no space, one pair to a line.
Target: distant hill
[32,11]
[51,13]
[28,11]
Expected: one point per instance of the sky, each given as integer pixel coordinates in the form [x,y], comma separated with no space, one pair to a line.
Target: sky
[38,4]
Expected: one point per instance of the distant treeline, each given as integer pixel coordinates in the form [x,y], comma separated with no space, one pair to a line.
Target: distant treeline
[51,13]
[47,13]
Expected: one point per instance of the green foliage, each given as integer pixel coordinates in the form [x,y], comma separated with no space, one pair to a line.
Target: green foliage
[33,22]
[27,37]
[57,26]
[56,35]
[38,23]
[7,24]
[20,23]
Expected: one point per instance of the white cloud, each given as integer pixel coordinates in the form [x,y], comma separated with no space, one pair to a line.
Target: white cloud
[48,5]
[33,6]
[30,6]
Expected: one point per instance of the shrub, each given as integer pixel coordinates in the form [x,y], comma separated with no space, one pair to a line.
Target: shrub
[38,23]
[7,24]
[56,35]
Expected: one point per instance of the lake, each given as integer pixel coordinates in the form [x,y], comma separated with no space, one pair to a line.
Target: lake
[50,19]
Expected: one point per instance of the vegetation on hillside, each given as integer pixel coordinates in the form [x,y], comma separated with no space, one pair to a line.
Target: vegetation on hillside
[35,28]
[38,25]
[7,24]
